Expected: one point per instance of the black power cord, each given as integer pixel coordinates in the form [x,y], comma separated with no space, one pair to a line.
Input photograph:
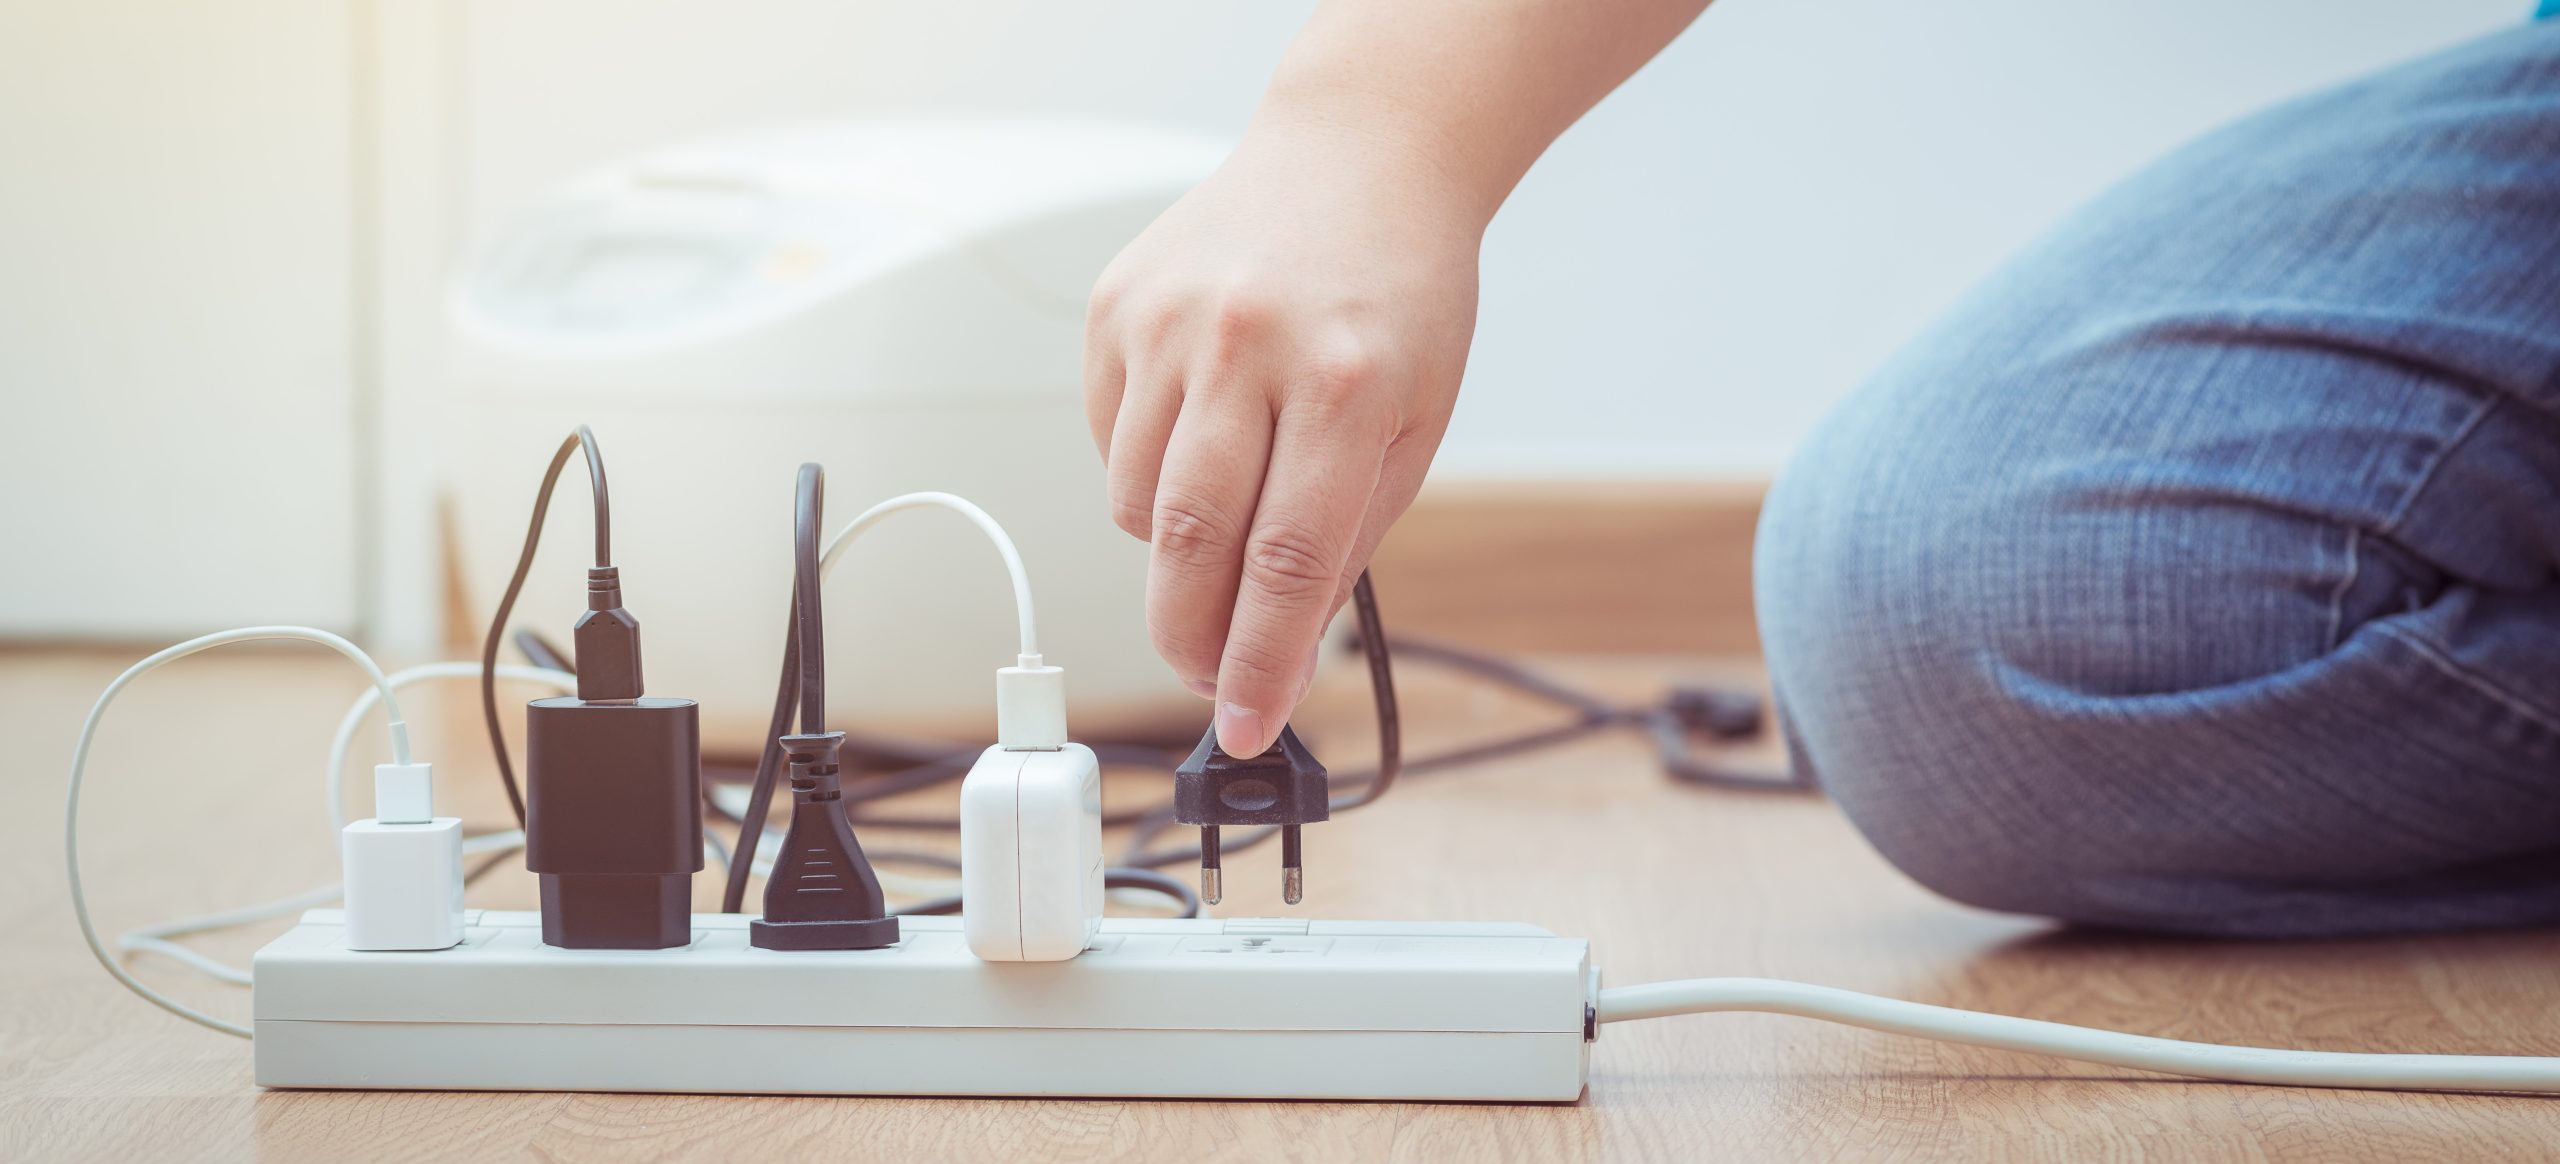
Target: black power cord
[822,893]
[583,440]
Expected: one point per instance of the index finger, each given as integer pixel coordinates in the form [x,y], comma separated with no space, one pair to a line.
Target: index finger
[1325,464]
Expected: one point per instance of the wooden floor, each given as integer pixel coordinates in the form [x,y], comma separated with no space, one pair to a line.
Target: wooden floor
[207,794]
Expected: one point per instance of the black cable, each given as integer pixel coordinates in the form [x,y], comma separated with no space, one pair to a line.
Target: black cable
[733,896]
[1485,666]
[1382,693]
[805,606]
[538,651]
[1155,822]
[582,440]
[487,866]
[802,670]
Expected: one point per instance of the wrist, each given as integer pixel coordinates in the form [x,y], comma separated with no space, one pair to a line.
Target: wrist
[1386,160]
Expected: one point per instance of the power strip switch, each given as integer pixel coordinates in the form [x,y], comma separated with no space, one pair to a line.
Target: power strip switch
[1242,1008]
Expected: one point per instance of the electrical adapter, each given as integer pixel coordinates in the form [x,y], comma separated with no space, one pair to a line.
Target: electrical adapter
[403,866]
[613,804]
[1283,787]
[1031,853]
[1031,877]
[822,894]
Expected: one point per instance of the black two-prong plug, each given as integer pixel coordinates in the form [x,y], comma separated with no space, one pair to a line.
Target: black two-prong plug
[1282,787]
[822,894]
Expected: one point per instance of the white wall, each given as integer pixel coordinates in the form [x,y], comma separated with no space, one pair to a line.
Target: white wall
[179,404]
[1726,245]
[1701,267]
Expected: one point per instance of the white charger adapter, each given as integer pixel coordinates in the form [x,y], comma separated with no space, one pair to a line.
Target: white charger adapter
[1031,829]
[1031,853]
[403,867]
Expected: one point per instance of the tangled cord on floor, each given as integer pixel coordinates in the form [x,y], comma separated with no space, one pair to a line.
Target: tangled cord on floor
[1683,724]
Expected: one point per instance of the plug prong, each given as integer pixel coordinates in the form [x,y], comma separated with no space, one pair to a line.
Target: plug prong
[1293,875]
[1210,889]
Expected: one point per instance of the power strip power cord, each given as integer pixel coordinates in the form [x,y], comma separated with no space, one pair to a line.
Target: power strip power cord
[2282,1068]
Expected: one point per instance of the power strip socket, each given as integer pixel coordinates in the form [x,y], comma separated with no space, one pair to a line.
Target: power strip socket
[1237,1008]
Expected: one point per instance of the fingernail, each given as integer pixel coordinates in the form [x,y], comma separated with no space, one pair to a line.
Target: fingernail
[1240,730]
[1201,687]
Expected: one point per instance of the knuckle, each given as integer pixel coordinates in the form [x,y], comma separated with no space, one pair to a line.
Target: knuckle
[1242,315]
[1182,527]
[1341,376]
[1129,495]
[1132,516]
[1289,558]
[1103,303]
[1238,326]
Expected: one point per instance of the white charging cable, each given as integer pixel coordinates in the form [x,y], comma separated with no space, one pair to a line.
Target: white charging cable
[986,524]
[560,683]
[80,763]
[2084,1044]
[155,938]
[1031,697]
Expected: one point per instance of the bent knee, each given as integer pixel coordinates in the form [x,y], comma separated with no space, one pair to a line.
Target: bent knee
[1992,699]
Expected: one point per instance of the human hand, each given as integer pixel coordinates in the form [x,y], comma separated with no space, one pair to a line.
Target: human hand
[1268,370]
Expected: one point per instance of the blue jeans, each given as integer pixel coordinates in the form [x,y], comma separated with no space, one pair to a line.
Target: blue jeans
[2201,571]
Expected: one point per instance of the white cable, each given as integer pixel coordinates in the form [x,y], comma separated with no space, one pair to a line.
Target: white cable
[80,764]
[154,939]
[559,681]
[1031,696]
[2085,1044]
[965,508]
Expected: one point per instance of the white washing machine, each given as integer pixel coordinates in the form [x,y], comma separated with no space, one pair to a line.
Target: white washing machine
[902,300]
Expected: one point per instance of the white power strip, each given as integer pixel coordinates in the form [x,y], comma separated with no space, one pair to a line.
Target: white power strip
[1213,1008]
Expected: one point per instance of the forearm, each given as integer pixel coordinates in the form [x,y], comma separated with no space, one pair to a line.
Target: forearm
[1466,92]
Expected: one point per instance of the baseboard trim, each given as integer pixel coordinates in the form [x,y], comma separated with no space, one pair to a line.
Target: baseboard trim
[1660,567]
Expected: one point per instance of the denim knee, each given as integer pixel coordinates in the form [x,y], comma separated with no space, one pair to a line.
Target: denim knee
[2074,694]
[1881,690]
[1993,666]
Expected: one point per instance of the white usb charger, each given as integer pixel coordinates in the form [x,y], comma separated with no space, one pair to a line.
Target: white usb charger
[1031,828]
[403,866]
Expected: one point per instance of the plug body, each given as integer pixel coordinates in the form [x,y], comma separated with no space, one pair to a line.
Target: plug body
[1283,787]
[822,894]
[613,819]
[1031,853]
[608,641]
[402,867]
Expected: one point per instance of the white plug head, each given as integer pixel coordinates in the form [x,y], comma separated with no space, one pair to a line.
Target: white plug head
[404,793]
[402,867]
[1031,706]
[1031,853]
